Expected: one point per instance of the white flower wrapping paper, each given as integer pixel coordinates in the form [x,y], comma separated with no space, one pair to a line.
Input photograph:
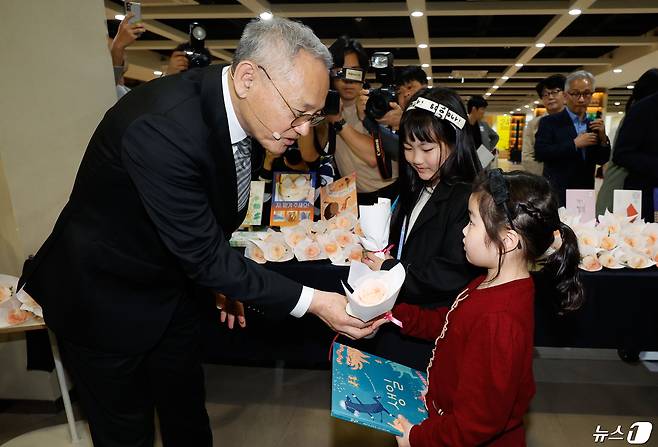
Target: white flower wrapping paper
[375,223]
[309,241]
[615,242]
[374,293]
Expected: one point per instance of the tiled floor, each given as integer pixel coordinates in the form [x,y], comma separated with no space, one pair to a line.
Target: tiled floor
[270,407]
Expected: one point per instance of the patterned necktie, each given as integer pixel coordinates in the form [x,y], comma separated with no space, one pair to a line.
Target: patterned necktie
[242,157]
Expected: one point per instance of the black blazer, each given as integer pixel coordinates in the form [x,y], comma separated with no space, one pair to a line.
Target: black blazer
[636,149]
[152,208]
[433,255]
[564,166]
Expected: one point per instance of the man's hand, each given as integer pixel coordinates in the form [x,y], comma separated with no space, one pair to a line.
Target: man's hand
[392,117]
[229,310]
[401,423]
[177,62]
[598,126]
[361,104]
[126,35]
[586,139]
[330,307]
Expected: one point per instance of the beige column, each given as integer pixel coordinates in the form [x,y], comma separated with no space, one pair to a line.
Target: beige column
[56,83]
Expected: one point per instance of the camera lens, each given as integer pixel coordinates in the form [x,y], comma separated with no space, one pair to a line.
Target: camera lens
[199,32]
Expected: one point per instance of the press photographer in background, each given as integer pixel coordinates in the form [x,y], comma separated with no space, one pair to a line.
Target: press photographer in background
[190,54]
[408,81]
[354,147]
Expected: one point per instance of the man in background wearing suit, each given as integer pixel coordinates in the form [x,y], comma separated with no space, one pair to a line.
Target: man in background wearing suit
[569,143]
[162,185]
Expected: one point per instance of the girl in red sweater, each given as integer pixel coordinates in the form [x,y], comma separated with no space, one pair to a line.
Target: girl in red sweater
[480,376]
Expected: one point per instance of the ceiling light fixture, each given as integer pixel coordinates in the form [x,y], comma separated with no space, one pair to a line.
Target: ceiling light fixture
[425,65]
[505,78]
[157,72]
[540,44]
[487,94]
[617,103]
[526,106]
[429,78]
[630,87]
[495,87]
[518,64]
[518,110]
[422,46]
[536,102]
[620,112]
[511,111]
[119,17]
[617,70]
[575,12]
[266,15]
[417,13]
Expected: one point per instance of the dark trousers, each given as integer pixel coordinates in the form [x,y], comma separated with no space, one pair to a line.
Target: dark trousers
[119,393]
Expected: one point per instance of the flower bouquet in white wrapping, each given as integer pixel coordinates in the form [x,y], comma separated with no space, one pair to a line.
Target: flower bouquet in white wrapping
[374,293]
[375,223]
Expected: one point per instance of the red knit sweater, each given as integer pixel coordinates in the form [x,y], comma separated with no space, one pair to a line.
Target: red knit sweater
[480,376]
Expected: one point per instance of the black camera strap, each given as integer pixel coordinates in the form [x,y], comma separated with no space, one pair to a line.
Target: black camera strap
[383,162]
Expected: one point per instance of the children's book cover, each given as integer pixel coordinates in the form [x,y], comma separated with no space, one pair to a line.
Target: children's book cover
[372,391]
[582,202]
[293,195]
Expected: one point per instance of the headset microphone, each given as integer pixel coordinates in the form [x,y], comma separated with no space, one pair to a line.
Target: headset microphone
[276,136]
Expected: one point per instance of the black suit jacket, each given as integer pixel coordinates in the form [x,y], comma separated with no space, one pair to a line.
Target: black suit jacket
[564,165]
[433,255]
[636,149]
[152,208]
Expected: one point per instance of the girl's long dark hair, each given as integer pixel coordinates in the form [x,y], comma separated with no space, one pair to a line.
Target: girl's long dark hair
[533,214]
[462,165]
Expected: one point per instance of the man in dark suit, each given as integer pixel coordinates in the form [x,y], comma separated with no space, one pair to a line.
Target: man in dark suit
[569,143]
[162,185]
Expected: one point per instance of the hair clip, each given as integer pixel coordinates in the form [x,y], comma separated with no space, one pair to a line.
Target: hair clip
[500,191]
[438,110]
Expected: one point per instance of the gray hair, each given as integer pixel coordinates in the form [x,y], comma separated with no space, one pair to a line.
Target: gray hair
[580,74]
[276,42]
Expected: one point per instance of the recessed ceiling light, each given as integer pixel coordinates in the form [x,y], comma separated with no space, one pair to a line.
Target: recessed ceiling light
[511,111]
[425,65]
[417,13]
[119,17]
[518,110]
[620,112]
[450,77]
[575,12]
[487,94]
[266,15]
[630,87]
[617,103]
[157,72]
[495,87]
[422,45]
[505,78]
[504,114]
[536,102]
[518,64]
[617,70]
[429,78]
[540,44]
[526,106]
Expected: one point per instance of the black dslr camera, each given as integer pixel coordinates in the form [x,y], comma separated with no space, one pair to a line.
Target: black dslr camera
[197,54]
[378,98]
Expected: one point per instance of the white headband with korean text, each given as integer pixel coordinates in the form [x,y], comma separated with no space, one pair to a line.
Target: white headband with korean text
[439,110]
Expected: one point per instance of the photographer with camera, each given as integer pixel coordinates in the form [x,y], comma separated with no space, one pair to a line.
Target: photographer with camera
[408,81]
[354,147]
[190,54]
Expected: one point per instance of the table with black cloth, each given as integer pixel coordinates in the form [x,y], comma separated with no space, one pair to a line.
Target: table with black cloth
[620,312]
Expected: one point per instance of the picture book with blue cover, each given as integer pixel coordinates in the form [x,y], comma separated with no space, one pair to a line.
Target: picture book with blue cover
[372,391]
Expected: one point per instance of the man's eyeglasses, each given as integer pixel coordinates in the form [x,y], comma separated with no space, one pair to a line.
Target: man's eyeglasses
[586,94]
[549,93]
[300,118]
